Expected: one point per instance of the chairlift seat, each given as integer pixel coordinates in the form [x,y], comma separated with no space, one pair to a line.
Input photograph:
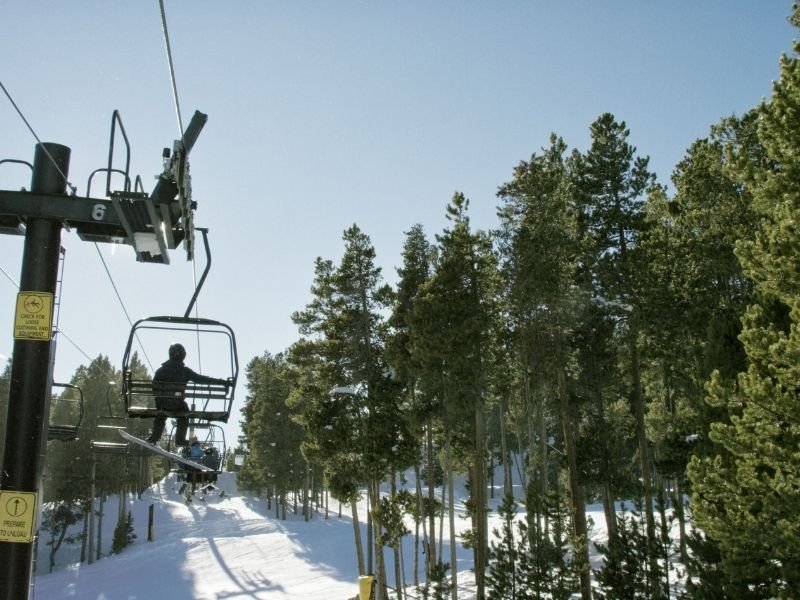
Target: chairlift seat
[62,433]
[207,401]
[109,447]
[141,412]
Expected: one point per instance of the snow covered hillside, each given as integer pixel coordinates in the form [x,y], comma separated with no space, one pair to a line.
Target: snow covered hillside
[230,546]
[225,547]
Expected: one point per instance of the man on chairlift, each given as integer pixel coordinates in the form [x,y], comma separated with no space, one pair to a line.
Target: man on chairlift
[169,387]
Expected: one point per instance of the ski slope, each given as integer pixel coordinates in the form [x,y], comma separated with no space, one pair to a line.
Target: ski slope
[225,547]
[231,546]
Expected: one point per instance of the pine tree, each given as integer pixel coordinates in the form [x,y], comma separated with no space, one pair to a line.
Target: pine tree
[540,244]
[275,463]
[57,520]
[535,240]
[693,293]
[441,587]
[529,561]
[124,534]
[706,578]
[611,185]
[418,406]
[504,581]
[453,330]
[624,573]
[567,565]
[361,425]
[747,497]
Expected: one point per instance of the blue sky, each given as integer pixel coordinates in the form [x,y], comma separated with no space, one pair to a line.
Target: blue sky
[325,114]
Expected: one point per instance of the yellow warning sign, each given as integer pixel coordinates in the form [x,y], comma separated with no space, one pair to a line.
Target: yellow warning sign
[34,317]
[17,510]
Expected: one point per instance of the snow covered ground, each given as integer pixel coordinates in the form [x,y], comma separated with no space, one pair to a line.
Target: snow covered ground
[231,546]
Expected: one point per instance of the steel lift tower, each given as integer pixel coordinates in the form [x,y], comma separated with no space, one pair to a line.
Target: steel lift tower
[152,223]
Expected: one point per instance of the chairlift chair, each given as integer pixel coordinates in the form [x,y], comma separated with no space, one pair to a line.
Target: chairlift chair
[107,431]
[59,408]
[213,457]
[207,402]
[212,440]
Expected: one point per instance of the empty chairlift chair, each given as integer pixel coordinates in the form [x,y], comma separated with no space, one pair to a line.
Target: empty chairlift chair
[66,413]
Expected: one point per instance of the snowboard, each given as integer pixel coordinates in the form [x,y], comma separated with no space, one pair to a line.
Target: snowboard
[159,450]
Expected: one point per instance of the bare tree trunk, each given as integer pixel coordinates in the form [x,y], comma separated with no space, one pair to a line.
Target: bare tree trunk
[544,479]
[122,512]
[417,521]
[536,455]
[85,538]
[451,505]
[478,492]
[660,549]
[306,485]
[370,547]
[575,491]
[508,483]
[534,417]
[644,455]
[380,565]
[609,509]
[607,495]
[100,525]
[441,522]
[396,552]
[677,500]
[401,586]
[490,470]
[431,499]
[56,544]
[357,535]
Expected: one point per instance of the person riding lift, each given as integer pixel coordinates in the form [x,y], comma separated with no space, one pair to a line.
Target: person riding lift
[169,387]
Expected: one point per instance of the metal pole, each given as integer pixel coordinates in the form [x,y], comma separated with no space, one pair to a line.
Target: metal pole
[92,493]
[102,499]
[29,385]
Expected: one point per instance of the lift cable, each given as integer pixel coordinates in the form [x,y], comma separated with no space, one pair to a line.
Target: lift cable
[9,277]
[180,127]
[171,66]
[59,330]
[73,189]
[121,303]
[92,364]
[43,147]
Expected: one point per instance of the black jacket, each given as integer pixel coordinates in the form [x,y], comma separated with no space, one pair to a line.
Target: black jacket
[172,376]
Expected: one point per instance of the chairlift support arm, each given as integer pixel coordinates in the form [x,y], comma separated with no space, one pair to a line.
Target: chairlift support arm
[200,283]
